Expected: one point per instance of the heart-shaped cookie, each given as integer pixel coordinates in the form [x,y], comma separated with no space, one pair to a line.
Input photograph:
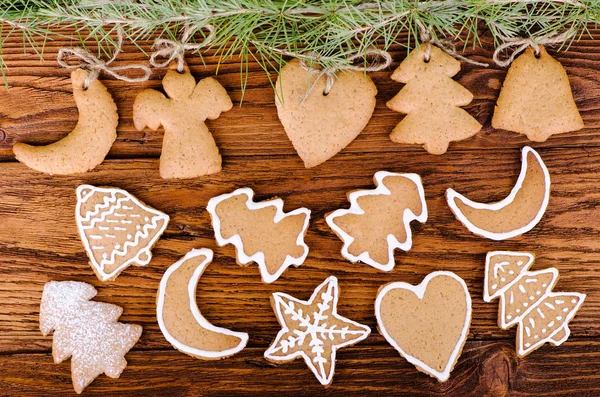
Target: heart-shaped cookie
[320,125]
[428,323]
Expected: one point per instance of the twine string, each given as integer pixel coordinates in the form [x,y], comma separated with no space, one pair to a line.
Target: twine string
[96,65]
[175,49]
[381,60]
[447,46]
[519,44]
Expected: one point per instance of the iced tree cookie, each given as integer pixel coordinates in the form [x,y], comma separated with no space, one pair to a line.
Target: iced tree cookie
[88,144]
[526,299]
[378,220]
[117,229]
[517,213]
[178,315]
[260,231]
[427,323]
[313,330]
[86,331]
[189,149]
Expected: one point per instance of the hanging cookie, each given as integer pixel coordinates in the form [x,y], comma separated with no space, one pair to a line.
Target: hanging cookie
[313,330]
[378,220]
[536,98]
[428,323]
[117,230]
[517,213]
[321,119]
[260,231]
[189,149]
[431,101]
[178,315]
[527,300]
[85,330]
[89,142]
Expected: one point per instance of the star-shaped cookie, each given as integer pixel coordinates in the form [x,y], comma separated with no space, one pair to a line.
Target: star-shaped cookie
[313,330]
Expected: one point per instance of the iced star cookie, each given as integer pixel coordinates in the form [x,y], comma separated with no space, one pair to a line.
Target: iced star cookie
[526,299]
[428,323]
[260,231]
[116,229]
[86,331]
[378,220]
[313,330]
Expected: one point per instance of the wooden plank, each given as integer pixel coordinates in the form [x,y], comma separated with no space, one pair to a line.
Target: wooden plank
[485,369]
[39,109]
[39,241]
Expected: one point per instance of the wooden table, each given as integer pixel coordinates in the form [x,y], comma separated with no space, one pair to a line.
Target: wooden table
[39,240]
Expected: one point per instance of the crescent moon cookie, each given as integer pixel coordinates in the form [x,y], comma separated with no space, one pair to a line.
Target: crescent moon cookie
[87,331]
[180,319]
[526,299]
[260,231]
[518,213]
[427,323]
[189,149]
[313,330]
[378,220]
[88,144]
[117,229]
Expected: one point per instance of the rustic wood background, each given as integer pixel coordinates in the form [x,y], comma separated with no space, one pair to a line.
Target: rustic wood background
[39,241]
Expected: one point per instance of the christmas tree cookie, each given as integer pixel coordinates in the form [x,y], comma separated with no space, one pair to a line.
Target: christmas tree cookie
[431,101]
[527,300]
[86,331]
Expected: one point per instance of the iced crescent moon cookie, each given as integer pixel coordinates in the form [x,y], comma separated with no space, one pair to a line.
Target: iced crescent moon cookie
[117,230]
[86,331]
[313,330]
[378,220]
[88,144]
[518,213]
[428,323]
[526,299]
[260,231]
[180,319]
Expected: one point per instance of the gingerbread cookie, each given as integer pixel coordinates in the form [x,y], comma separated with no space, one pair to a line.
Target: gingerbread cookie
[431,99]
[313,330]
[260,231]
[516,214]
[321,123]
[189,149]
[117,229]
[526,299]
[88,144]
[536,98]
[86,331]
[428,323]
[378,220]
[178,315]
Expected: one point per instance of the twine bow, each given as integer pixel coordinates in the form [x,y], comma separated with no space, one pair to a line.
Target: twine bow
[173,49]
[95,65]
[445,45]
[329,73]
[519,44]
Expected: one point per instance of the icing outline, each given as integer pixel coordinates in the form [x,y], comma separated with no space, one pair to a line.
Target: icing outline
[259,257]
[420,290]
[331,282]
[451,195]
[488,261]
[393,243]
[202,322]
[146,251]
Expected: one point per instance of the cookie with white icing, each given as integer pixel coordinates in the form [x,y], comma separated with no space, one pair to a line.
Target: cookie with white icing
[428,323]
[117,229]
[260,231]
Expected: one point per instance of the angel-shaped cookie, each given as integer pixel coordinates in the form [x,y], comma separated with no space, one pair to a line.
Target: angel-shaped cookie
[189,149]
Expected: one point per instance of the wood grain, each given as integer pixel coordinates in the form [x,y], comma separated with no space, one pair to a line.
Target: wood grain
[39,241]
